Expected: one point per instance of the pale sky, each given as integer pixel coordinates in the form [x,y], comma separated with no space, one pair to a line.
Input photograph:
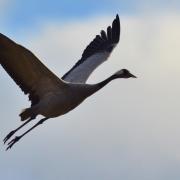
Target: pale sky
[129,130]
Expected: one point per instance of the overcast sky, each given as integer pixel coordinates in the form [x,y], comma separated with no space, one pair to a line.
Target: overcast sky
[129,130]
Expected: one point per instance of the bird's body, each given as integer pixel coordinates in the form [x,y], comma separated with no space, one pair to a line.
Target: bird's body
[56,103]
[51,96]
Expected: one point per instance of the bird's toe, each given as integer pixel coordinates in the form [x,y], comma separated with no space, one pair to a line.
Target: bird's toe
[8,136]
[13,141]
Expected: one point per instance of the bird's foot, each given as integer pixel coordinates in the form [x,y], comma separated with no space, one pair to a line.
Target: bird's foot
[8,136]
[12,142]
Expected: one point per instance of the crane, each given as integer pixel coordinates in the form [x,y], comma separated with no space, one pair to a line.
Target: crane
[51,96]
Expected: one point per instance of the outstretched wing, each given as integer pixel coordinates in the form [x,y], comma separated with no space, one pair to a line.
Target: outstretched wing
[95,54]
[33,77]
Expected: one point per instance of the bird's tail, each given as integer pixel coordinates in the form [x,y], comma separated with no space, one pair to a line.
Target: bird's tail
[26,114]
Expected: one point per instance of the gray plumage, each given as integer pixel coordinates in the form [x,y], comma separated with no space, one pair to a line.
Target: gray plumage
[51,96]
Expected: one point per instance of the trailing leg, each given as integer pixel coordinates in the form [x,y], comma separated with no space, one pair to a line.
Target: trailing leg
[15,130]
[17,138]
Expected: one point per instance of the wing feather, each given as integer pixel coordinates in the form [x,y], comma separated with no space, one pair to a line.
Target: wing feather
[103,35]
[109,33]
[95,54]
[29,73]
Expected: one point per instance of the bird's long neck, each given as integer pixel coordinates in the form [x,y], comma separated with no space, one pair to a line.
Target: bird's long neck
[106,81]
[100,85]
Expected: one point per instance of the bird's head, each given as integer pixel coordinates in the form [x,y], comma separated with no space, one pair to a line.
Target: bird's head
[123,73]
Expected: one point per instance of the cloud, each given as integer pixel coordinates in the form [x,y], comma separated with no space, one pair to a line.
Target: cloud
[4,4]
[5,8]
[23,15]
[128,130]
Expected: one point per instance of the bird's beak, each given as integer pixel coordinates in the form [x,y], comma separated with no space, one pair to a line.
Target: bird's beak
[133,76]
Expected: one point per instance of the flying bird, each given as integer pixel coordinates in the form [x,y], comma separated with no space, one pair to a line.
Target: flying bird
[51,96]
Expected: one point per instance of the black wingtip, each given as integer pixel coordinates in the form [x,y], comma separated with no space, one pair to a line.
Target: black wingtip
[116,30]
[105,42]
[117,18]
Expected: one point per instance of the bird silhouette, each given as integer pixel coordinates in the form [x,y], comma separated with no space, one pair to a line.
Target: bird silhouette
[51,96]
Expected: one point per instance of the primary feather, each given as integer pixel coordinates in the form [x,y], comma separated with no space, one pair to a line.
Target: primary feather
[95,54]
[29,73]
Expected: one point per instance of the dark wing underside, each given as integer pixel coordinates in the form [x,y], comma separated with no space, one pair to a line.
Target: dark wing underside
[95,54]
[33,77]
